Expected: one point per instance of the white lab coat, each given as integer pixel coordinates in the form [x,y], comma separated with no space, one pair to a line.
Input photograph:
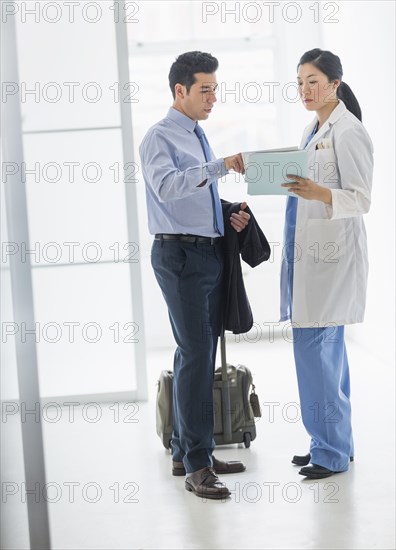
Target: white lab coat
[331,263]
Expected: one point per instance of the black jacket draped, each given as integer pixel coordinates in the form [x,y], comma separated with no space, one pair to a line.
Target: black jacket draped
[252,245]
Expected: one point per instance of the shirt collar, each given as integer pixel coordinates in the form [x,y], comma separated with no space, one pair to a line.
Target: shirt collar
[338,111]
[182,120]
[335,115]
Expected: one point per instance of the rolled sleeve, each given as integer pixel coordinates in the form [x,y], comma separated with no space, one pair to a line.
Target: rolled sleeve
[354,152]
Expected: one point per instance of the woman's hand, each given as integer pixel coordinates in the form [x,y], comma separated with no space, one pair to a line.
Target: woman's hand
[308,189]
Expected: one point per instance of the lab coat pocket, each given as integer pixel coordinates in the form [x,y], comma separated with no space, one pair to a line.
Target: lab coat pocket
[325,170]
[325,240]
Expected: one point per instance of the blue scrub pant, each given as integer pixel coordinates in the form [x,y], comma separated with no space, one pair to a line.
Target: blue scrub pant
[190,277]
[322,372]
[324,388]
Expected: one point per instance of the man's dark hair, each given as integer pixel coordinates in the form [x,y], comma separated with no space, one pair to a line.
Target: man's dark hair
[186,65]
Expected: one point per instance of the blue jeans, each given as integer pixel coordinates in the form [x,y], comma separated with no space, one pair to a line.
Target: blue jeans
[190,277]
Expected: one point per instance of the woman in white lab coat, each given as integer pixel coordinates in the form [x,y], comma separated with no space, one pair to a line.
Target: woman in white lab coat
[325,266]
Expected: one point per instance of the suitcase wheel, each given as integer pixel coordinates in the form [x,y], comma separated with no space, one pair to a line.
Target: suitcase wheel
[247,439]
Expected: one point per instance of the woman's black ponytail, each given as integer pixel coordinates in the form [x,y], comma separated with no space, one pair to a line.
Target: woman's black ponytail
[346,95]
[330,64]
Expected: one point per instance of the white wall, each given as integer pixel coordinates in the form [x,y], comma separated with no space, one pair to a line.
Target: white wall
[364,39]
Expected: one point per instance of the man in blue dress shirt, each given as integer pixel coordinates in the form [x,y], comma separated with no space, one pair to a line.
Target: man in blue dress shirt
[184,214]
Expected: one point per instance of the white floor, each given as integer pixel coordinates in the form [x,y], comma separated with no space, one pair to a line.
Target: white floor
[141,506]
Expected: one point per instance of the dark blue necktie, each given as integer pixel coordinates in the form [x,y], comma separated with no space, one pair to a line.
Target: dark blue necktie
[217,210]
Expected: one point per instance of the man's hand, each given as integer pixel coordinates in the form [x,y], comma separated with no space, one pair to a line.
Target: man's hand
[235,163]
[239,221]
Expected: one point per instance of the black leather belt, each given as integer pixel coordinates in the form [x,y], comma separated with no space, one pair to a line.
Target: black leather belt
[186,238]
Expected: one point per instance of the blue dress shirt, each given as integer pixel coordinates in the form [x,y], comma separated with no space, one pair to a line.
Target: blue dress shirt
[173,167]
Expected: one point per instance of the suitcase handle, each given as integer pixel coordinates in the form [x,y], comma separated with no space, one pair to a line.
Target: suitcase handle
[224,376]
[225,393]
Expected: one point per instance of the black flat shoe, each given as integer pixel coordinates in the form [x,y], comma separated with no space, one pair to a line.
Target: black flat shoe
[316,472]
[301,460]
[306,459]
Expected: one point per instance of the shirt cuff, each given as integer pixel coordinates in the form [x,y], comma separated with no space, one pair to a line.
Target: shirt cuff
[215,169]
[330,209]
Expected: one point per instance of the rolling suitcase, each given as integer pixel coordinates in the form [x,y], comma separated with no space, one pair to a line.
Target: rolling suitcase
[235,404]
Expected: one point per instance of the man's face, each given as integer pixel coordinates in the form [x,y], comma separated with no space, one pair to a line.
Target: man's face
[198,102]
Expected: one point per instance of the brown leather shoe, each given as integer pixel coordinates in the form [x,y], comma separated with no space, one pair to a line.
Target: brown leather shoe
[220,467]
[205,484]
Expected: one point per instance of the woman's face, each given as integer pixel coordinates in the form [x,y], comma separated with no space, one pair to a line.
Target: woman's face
[315,90]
